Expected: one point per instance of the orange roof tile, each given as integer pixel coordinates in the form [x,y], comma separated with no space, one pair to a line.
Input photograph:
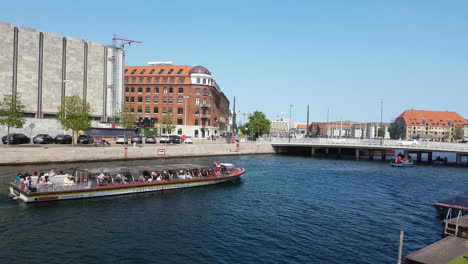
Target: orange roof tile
[433,118]
[301,126]
[159,70]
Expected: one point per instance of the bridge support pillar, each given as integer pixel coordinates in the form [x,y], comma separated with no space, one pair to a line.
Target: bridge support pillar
[371,154]
[429,156]
[357,153]
[384,154]
[419,156]
[406,154]
[458,158]
[312,152]
[326,152]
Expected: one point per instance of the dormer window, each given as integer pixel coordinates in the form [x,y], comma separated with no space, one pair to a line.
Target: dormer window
[161,71]
[143,71]
[180,71]
[152,71]
[133,72]
[170,71]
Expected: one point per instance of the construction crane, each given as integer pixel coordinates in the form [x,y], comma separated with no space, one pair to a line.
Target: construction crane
[118,42]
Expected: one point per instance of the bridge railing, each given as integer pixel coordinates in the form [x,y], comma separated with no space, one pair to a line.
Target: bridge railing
[375,142]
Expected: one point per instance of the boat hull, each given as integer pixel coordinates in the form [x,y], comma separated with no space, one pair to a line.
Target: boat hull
[121,189]
[403,164]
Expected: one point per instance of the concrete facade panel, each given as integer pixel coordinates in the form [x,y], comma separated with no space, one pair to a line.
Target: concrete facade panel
[6,58]
[75,64]
[95,77]
[52,75]
[28,65]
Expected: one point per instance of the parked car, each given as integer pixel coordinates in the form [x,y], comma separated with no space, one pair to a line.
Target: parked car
[411,143]
[16,138]
[175,139]
[188,140]
[150,140]
[165,139]
[43,139]
[121,140]
[63,139]
[136,139]
[85,139]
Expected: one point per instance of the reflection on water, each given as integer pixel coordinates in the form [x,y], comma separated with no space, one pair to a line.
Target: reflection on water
[285,209]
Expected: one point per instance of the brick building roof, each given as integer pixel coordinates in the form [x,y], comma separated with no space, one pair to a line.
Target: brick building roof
[433,118]
[158,70]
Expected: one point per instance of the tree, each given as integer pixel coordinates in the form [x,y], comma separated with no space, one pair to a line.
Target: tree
[258,124]
[397,129]
[168,124]
[74,114]
[127,118]
[381,132]
[12,112]
[458,134]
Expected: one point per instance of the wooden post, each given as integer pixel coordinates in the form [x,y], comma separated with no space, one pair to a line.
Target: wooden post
[384,154]
[312,152]
[400,248]
[357,154]
[371,154]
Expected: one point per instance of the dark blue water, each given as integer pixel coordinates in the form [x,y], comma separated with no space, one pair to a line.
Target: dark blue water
[285,210]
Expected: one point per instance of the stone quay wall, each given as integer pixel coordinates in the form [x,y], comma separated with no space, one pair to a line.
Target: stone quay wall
[34,154]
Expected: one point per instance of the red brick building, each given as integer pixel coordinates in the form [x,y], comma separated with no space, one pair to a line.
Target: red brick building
[188,95]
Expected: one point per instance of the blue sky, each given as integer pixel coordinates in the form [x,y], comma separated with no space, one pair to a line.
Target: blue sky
[338,55]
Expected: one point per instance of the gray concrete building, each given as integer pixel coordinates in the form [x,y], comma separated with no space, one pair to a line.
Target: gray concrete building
[45,67]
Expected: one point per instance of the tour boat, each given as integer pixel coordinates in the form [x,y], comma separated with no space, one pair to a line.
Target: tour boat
[106,182]
[402,164]
[457,204]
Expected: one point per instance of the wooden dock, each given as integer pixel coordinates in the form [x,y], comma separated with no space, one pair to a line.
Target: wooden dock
[442,251]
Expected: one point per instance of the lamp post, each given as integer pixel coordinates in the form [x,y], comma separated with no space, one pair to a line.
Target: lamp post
[289,130]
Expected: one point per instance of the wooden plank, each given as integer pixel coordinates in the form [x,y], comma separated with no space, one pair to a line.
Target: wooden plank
[442,251]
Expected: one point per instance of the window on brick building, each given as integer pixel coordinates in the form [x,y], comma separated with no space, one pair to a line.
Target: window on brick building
[180,110]
[205,91]
[134,71]
[171,100]
[197,91]
[152,71]
[204,100]
[126,70]
[179,121]
[164,90]
[156,90]
[197,111]
[197,101]
[140,99]
[148,110]
[169,110]
[161,71]
[156,100]
[164,79]
[126,79]
[180,100]
[148,99]
[148,79]
[140,110]
[164,110]
[132,110]
[180,71]
[172,80]
[181,90]
[198,80]
[170,71]
[127,99]
[143,71]
[156,110]
[133,79]
[181,80]
[132,99]
[156,79]
[140,79]
[133,89]
[171,90]
[204,80]
[140,90]
[127,89]
[164,100]
[196,122]
[148,89]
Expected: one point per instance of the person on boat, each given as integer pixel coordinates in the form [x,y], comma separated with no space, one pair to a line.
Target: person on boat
[34,174]
[118,178]
[52,173]
[399,159]
[18,178]
[218,167]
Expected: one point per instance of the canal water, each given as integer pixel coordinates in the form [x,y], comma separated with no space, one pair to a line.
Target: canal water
[284,210]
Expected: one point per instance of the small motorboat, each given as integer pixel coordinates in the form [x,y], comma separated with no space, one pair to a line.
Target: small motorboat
[454,204]
[402,164]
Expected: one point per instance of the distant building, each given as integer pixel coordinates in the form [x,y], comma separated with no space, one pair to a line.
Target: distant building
[331,129]
[301,128]
[369,129]
[430,125]
[465,133]
[279,128]
[187,95]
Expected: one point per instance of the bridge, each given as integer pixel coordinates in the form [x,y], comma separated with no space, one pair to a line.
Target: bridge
[372,147]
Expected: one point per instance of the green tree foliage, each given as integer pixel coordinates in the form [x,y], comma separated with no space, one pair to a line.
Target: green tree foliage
[75,114]
[258,124]
[458,133]
[397,129]
[168,124]
[12,112]
[381,132]
[127,118]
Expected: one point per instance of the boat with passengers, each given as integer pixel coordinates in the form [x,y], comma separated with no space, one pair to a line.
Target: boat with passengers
[118,181]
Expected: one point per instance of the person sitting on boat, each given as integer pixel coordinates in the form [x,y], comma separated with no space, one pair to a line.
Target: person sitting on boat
[218,167]
[118,178]
[399,159]
[18,178]
[52,173]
